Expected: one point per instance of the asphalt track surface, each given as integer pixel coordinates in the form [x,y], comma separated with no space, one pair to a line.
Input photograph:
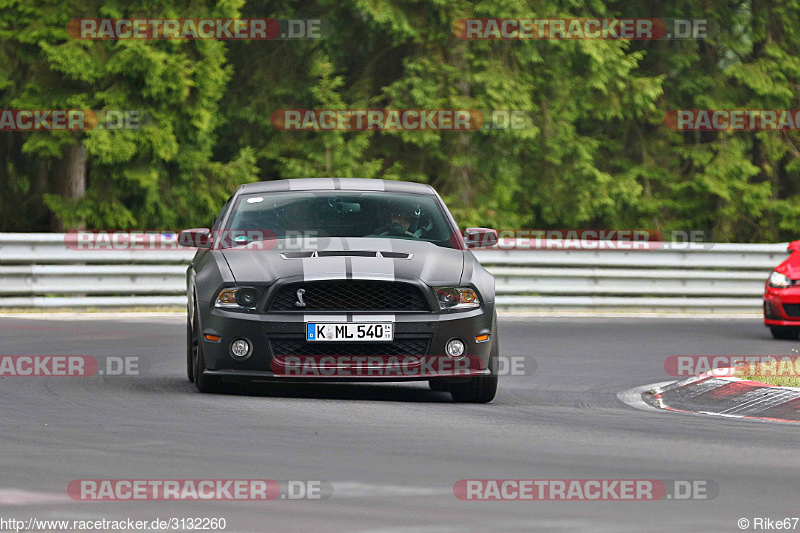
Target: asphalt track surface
[393,451]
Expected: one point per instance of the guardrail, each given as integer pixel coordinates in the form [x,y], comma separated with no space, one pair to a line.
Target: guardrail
[40,270]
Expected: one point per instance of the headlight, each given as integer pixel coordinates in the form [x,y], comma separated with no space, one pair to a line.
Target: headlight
[779,281]
[457,298]
[237,298]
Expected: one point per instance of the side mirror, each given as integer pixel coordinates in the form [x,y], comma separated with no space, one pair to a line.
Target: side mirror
[480,237]
[195,238]
[793,246]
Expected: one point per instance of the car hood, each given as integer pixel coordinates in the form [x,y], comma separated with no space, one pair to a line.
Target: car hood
[345,258]
[790,267]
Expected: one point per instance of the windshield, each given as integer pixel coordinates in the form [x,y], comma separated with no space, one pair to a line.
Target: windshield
[339,214]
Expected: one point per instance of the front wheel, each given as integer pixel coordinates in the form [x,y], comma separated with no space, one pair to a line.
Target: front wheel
[208,384]
[190,349]
[785,332]
[481,389]
[477,390]
[438,385]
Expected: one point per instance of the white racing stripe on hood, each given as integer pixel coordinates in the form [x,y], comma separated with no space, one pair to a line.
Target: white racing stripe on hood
[376,268]
[357,184]
[370,244]
[370,268]
[317,185]
[318,268]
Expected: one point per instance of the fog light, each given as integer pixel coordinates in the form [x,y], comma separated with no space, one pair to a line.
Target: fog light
[772,310]
[455,348]
[240,348]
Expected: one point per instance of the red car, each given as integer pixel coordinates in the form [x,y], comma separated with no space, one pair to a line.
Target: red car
[782,296]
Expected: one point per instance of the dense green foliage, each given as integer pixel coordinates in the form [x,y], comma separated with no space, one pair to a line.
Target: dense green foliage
[598,156]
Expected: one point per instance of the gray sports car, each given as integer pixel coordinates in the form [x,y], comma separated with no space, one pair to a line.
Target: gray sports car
[340,279]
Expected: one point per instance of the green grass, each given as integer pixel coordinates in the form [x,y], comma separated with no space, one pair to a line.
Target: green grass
[784,375]
[783,381]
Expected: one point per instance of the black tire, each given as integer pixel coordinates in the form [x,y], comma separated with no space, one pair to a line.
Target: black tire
[438,385]
[205,384]
[480,389]
[785,332]
[190,348]
[477,390]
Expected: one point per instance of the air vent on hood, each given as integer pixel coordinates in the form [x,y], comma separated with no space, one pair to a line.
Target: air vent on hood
[298,255]
[396,255]
[346,253]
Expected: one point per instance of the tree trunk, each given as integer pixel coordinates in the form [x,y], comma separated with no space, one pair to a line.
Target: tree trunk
[39,213]
[461,175]
[70,181]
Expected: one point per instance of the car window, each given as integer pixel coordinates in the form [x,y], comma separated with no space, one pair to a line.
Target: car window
[218,221]
[335,214]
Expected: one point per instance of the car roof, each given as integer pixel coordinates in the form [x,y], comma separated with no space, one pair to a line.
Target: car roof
[334,184]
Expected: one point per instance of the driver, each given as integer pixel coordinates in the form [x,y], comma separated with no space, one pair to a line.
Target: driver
[403,220]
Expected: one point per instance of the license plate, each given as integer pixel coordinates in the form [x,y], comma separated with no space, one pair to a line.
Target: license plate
[350,332]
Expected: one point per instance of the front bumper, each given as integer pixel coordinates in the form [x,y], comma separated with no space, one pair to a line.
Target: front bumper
[776,303]
[265,331]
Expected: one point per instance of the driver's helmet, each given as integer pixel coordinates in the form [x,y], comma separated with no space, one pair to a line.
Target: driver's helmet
[406,215]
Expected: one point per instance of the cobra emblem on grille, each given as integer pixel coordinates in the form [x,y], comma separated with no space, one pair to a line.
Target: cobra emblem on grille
[300,302]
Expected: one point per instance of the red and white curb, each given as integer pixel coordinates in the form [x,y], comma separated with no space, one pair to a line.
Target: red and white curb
[719,395]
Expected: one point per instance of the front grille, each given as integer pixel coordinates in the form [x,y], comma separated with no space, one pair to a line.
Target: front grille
[791,309]
[399,347]
[349,295]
